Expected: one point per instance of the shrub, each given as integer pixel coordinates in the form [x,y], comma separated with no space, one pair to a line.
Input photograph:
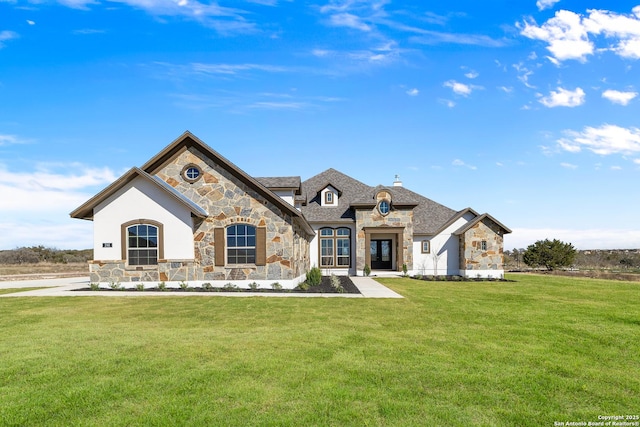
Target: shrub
[314,276]
[140,287]
[304,286]
[230,287]
[404,269]
[114,284]
[95,286]
[207,286]
[335,281]
[184,285]
[276,286]
[366,270]
[335,284]
[162,286]
[253,286]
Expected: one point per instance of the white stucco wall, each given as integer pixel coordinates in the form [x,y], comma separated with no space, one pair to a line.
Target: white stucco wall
[445,245]
[286,195]
[141,199]
[314,251]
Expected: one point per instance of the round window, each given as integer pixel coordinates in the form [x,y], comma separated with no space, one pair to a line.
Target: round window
[191,173]
[383,207]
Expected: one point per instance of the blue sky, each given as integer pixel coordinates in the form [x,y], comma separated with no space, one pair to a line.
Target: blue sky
[526,110]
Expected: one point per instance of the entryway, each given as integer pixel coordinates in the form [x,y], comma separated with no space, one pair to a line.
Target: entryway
[381,252]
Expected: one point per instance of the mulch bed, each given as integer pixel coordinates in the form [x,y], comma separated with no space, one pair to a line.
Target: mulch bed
[323,288]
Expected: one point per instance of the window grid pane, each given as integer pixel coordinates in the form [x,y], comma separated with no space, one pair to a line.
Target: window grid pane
[241,244]
[341,255]
[140,238]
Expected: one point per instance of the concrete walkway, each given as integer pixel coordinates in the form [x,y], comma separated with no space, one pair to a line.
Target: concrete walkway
[368,288]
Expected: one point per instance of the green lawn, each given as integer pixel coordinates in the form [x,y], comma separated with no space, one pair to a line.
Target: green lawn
[525,353]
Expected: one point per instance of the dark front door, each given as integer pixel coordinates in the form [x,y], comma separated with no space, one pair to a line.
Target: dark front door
[381,254]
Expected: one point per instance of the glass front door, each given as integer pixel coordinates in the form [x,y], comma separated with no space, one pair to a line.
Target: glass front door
[381,255]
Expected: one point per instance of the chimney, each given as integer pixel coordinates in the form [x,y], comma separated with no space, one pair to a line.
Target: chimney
[397,182]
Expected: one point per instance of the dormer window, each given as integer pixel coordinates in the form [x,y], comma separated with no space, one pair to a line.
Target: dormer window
[329,196]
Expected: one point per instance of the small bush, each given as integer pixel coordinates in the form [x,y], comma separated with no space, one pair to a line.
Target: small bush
[114,284]
[254,286]
[366,270]
[404,270]
[230,287]
[335,281]
[184,285]
[276,286]
[95,286]
[314,276]
[335,284]
[207,286]
[304,286]
[162,286]
[140,287]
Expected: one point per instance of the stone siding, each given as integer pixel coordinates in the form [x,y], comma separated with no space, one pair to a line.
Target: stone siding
[229,201]
[397,218]
[472,257]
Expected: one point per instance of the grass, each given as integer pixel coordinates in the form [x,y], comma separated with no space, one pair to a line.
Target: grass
[14,290]
[526,353]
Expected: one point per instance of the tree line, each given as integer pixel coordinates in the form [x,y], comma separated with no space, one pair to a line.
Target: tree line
[38,254]
[553,254]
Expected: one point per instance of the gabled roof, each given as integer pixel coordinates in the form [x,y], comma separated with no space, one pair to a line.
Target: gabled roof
[478,219]
[349,187]
[188,140]
[456,216]
[428,217]
[86,210]
[281,183]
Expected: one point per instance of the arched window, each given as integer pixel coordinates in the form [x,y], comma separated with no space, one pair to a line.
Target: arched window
[142,244]
[335,247]
[241,244]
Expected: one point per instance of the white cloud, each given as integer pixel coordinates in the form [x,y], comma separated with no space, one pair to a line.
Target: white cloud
[472,74]
[36,204]
[595,238]
[565,34]
[232,69]
[461,88]
[626,28]
[222,19]
[605,140]
[51,185]
[30,22]
[413,92]
[564,98]
[546,4]
[506,89]
[572,36]
[62,233]
[458,162]
[7,35]
[449,103]
[568,165]
[10,139]
[617,97]
[349,20]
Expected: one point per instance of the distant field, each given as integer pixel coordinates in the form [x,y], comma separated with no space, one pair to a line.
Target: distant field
[539,350]
[76,268]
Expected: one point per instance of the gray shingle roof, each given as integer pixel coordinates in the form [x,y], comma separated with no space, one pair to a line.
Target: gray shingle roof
[429,216]
[292,182]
